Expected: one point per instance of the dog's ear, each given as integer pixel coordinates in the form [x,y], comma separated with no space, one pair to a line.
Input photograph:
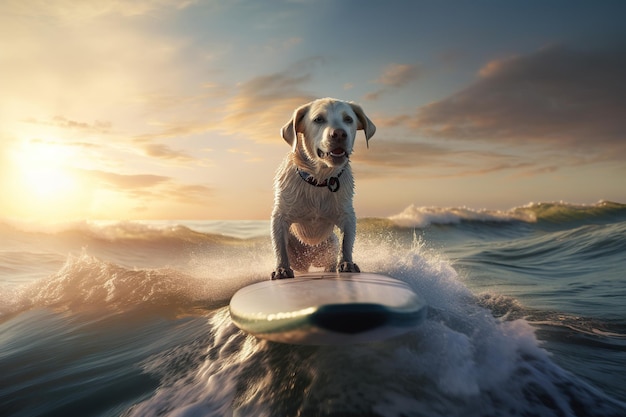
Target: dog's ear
[290,131]
[364,124]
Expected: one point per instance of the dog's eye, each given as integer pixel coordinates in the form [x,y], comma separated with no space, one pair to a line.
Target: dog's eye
[319,119]
[348,119]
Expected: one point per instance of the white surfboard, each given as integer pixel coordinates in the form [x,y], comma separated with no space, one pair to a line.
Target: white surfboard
[327,308]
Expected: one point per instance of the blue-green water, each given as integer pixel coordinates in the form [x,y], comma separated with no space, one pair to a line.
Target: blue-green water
[527,317]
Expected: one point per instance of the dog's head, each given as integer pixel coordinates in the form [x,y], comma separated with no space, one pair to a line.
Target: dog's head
[325,130]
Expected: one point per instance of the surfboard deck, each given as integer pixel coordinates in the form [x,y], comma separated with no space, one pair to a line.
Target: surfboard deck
[327,308]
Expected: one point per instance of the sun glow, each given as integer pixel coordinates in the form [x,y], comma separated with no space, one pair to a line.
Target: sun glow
[48,182]
[42,181]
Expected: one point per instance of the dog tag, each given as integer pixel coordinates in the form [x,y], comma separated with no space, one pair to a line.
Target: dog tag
[333,184]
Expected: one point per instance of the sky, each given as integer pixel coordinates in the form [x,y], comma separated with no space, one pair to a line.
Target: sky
[162,109]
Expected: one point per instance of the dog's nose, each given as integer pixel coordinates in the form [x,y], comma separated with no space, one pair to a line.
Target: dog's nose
[339,134]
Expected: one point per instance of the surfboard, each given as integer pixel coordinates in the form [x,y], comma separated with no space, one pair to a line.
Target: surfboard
[327,308]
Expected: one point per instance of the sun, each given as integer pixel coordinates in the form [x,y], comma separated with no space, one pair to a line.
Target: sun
[42,180]
[43,167]
[47,182]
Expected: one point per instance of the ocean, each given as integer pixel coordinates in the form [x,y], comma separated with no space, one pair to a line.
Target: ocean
[527,317]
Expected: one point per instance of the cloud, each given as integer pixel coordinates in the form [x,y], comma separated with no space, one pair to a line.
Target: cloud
[124,181]
[412,160]
[144,142]
[387,154]
[194,194]
[64,123]
[558,96]
[149,187]
[175,130]
[147,145]
[398,75]
[393,121]
[393,77]
[537,171]
[265,103]
[69,10]
[157,150]
[72,144]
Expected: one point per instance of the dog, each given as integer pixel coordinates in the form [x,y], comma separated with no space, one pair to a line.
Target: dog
[314,187]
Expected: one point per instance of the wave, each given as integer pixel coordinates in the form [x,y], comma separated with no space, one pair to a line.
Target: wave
[87,283]
[128,243]
[556,213]
[234,232]
[115,231]
[602,211]
[420,217]
[460,361]
[509,309]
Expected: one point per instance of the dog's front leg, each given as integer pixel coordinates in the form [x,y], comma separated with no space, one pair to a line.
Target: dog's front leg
[348,228]
[280,230]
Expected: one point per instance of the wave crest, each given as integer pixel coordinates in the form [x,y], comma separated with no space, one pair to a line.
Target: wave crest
[85,282]
[558,212]
[414,216]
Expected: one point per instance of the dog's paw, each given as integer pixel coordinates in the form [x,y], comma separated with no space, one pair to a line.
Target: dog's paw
[349,267]
[282,273]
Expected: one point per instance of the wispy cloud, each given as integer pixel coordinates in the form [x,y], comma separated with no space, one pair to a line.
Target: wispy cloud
[398,75]
[149,187]
[144,144]
[175,130]
[265,103]
[124,181]
[159,150]
[390,154]
[65,123]
[393,77]
[71,143]
[192,194]
[396,159]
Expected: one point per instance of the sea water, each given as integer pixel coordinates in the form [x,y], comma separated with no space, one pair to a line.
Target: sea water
[527,317]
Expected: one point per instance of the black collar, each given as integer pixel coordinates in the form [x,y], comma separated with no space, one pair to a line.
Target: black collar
[332,183]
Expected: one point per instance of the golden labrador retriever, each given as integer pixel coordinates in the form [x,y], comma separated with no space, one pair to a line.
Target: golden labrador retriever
[313,188]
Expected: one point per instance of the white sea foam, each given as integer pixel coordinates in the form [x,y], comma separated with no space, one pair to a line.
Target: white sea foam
[415,216]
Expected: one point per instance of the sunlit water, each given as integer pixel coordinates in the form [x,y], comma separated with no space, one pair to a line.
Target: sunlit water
[527,316]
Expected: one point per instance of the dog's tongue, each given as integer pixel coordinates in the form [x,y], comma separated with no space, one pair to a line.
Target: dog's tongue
[337,152]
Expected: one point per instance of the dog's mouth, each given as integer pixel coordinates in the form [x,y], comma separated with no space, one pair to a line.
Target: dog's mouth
[337,153]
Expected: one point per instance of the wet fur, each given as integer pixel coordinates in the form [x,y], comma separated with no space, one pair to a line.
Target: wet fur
[304,216]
